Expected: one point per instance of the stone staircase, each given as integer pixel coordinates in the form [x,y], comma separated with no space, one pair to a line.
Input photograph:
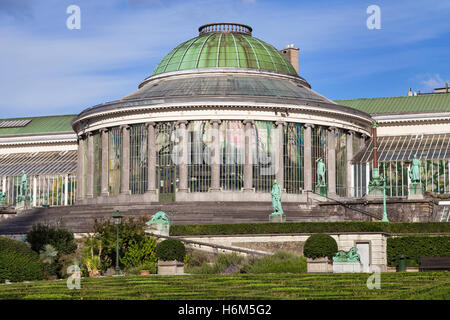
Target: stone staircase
[80,218]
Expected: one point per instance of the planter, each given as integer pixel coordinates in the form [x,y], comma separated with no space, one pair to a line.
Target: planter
[145,272]
[319,265]
[170,267]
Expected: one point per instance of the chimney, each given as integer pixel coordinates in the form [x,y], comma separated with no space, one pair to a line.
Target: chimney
[291,54]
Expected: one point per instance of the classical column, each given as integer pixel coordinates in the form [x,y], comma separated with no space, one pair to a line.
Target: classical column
[105,162]
[307,158]
[90,166]
[278,148]
[349,156]
[331,161]
[182,156]
[80,169]
[362,141]
[248,166]
[151,149]
[125,173]
[35,191]
[66,189]
[215,156]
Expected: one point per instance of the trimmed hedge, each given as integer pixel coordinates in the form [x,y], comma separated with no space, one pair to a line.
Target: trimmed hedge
[60,238]
[309,227]
[170,249]
[415,247]
[18,262]
[320,245]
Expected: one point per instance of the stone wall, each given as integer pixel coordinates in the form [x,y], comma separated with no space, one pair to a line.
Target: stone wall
[295,242]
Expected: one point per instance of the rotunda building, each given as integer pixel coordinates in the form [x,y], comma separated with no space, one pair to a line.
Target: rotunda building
[221,117]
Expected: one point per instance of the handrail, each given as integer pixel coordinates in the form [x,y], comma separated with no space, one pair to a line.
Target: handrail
[348,207]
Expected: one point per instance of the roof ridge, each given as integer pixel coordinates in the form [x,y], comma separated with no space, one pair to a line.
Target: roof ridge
[396,97]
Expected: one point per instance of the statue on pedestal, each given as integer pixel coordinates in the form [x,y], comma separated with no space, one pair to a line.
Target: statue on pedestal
[23,188]
[276,198]
[321,186]
[414,173]
[350,256]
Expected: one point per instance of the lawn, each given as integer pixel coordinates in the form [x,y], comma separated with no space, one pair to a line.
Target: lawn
[426,285]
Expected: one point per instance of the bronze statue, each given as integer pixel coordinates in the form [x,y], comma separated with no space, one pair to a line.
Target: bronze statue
[276,198]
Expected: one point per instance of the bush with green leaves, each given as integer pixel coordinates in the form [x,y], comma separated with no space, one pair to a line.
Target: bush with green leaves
[18,262]
[415,247]
[279,262]
[141,255]
[320,245]
[131,232]
[59,237]
[170,249]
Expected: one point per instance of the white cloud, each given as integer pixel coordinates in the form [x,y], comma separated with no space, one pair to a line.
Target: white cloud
[432,81]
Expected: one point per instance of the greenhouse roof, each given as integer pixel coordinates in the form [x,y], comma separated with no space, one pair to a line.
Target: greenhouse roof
[36,125]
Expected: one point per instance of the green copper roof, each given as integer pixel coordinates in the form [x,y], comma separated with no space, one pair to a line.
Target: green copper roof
[41,125]
[225,50]
[413,104]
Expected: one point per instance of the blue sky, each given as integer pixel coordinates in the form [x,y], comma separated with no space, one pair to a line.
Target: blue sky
[47,69]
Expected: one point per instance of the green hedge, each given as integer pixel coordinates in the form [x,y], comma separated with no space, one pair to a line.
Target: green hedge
[309,227]
[170,249]
[320,245]
[415,247]
[18,262]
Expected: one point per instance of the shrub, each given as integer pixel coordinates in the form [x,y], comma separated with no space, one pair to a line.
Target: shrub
[310,227]
[59,237]
[170,249]
[131,231]
[415,247]
[141,254]
[279,262]
[228,263]
[18,262]
[319,246]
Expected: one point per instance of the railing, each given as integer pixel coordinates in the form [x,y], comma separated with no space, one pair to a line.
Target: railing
[225,27]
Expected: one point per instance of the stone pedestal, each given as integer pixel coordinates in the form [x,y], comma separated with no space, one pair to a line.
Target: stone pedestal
[321,189]
[415,191]
[274,217]
[158,229]
[171,267]
[319,265]
[347,267]
[375,193]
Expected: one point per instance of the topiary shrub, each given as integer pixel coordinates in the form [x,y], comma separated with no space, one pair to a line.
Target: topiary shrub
[18,262]
[57,236]
[170,249]
[320,246]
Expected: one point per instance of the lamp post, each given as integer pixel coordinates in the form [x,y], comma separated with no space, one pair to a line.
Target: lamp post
[385,218]
[117,216]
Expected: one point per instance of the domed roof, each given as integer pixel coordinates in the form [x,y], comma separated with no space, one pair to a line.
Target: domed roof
[225,45]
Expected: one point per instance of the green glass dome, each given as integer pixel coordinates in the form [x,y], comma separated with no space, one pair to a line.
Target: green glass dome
[219,47]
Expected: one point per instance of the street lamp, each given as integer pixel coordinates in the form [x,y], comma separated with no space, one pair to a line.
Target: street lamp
[385,218]
[117,216]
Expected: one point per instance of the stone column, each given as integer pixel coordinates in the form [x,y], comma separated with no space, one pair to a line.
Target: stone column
[307,158]
[151,149]
[66,190]
[90,166]
[248,165]
[331,161]
[182,156]
[215,156]
[105,162]
[125,173]
[80,169]
[349,156]
[362,141]
[279,153]
[35,191]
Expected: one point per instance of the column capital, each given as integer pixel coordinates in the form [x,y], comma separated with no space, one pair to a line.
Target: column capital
[125,126]
[332,129]
[308,125]
[150,123]
[364,136]
[280,123]
[90,133]
[351,132]
[251,122]
[180,122]
[104,130]
[212,121]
